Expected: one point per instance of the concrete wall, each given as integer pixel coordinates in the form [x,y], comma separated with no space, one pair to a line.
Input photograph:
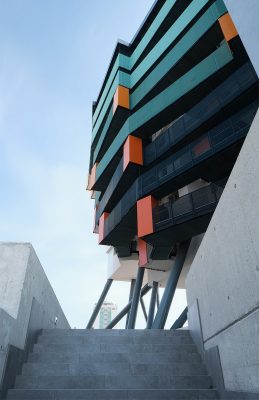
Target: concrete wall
[224,276]
[27,300]
[245,14]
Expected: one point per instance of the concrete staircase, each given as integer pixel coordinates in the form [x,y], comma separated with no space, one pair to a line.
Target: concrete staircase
[113,365]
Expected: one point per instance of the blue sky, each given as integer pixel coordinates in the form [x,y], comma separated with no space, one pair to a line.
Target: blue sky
[53,58]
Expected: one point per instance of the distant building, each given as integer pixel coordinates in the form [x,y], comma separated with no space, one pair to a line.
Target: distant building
[107,312]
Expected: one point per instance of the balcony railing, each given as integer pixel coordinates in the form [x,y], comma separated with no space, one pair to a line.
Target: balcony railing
[197,203]
[121,209]
[216,140]
[110,189]
[230,89]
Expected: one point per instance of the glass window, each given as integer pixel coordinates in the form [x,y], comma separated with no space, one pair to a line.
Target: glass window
[182,206]
[182,158]
[221,133]
[165,169]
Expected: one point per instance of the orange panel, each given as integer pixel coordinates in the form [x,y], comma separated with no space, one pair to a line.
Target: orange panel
[121,98]
[142,248]
[144,214]
[228,28]
[104,216]
[132,151]
[92,177]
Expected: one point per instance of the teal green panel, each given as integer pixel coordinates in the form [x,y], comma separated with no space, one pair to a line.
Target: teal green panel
[121,78]
[171,59]
[97,196]
[161,46]
[103,134]
[121,61]
[182,47]
[126,62]
[114,147]
[183,85]
[186,17]
[186,83]
[151,31]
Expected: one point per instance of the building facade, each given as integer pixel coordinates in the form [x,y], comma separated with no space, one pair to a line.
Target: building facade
[176,107]
[106,314]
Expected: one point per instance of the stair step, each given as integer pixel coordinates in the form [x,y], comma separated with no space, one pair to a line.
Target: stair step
[113,365]
[114,382]
[43,355]
[186,353]
[126,340]
[82,368]
[115,332]
[149,394]
[72,353]
[59,348]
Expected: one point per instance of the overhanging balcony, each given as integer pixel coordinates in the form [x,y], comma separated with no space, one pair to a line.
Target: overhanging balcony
[209,108]
[212,157]
[191,87]
[186,127]
[184,218]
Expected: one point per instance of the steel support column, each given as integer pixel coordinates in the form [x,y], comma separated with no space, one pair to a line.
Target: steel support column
[132,285]
[157,299]
[135,298]
[118,317]
[172,281]
[151,311]
[143,308]
[124,311]
[179,323]
[99,303]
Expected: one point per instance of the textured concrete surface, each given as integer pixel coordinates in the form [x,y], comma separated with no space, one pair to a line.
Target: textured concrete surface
[22,281]
[224,276]
[245,14]
[80,362]
[239,353]
[13,266]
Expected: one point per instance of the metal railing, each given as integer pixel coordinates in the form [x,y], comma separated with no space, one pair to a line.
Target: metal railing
[109,190]
[121,209]
[226,92]
[217,139]
[231,88]
[195,203]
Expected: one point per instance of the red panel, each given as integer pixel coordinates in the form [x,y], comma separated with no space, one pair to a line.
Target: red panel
[144,214]
[132,151]
[201,147]
[104,216]
[142,248]
[96,228]
[92,177]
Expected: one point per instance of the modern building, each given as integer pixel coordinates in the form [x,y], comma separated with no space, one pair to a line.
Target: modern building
[173,137]
[106,314]
[174,173]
